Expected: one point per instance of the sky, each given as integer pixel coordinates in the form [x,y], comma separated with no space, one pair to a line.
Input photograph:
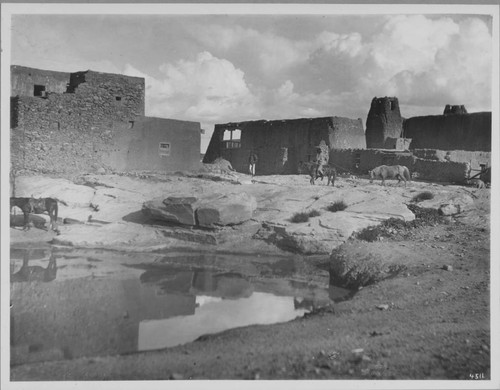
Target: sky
[224,68]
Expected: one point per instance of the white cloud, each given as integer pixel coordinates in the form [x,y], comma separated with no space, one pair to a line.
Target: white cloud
[206,89]
[429,62]
[273,52]
[346,44]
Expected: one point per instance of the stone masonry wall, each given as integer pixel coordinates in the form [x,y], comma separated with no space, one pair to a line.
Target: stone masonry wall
[65,132]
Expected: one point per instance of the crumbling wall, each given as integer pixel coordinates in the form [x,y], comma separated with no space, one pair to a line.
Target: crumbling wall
[384,121]
[450,132]
[281,144]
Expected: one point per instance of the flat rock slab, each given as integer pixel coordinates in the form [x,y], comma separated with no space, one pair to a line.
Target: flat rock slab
[322,234]
[62,189]
[225,209]
[116,235]
[210,211]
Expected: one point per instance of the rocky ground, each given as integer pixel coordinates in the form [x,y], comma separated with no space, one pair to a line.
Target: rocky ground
[429,319]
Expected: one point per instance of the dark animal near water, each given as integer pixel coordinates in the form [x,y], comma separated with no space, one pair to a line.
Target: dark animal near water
[384,172]
[37,206]
[35,273]
[312,169]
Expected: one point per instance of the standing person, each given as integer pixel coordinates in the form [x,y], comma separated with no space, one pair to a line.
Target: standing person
[252,160]
[321,158]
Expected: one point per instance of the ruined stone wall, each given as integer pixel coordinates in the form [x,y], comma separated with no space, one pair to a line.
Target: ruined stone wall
[384,121]
[281,144]
[470,132]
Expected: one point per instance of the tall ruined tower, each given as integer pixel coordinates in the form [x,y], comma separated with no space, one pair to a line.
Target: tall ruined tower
[384,121]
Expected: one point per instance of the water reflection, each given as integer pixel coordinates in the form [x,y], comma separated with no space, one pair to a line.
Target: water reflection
[105,303]
[216,315]
[33,273]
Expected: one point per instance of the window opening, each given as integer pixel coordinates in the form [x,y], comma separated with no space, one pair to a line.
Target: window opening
[231,139]
[118,98]
[164,149]
[39,90]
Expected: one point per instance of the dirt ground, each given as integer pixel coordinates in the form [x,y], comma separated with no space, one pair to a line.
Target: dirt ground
[431,321]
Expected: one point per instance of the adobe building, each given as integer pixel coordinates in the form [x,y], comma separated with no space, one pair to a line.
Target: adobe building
[87,121]
[447,147]
[281,144]
[456,129]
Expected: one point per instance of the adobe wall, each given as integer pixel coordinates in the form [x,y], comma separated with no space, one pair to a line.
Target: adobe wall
[462,156]
[347,133]
[281,144]
[23,80]
[137,148]
[384,121]
[470,132]
[359,161]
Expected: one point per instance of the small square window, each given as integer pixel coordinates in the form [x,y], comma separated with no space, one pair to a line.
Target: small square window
[118,98]
[164,149]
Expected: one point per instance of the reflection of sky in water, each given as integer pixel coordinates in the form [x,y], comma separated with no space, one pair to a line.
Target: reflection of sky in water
[99,302]
[214,315]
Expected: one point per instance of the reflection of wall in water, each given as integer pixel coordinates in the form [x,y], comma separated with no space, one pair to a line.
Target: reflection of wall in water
[86,317]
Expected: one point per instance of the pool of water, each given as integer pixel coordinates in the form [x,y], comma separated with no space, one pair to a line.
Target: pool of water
[68,304]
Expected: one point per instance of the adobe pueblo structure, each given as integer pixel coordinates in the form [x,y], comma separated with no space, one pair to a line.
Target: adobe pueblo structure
[282,144]
[449,147]
[90,121]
